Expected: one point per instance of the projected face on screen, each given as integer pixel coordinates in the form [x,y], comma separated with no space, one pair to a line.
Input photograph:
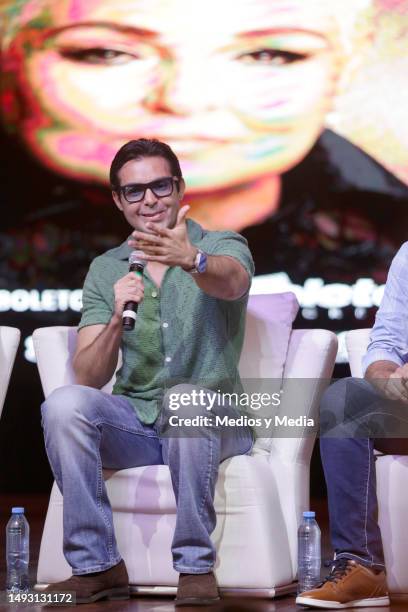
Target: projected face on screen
[239,88]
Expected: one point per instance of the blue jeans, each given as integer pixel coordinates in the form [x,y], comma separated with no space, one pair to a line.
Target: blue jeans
[86,430]
[348,412]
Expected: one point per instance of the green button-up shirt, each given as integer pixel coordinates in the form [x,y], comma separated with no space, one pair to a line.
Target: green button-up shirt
[181,334]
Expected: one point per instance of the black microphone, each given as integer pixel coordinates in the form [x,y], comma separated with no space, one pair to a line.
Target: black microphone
[136,264]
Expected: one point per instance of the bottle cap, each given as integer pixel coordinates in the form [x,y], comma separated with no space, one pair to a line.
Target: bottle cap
[17,510]
[309,514]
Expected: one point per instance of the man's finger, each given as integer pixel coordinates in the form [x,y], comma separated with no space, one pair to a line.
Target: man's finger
[144,237]
[159,231]
[144,246]
[154,250]
[396,390]
[161,258]
[182,213]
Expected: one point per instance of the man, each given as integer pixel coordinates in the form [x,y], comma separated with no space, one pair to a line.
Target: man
[189,329]
[359,415]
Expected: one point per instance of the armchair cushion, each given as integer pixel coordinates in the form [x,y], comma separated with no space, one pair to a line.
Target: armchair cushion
[267,334]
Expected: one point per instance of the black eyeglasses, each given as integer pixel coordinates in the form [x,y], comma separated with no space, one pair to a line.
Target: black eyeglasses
[161,187]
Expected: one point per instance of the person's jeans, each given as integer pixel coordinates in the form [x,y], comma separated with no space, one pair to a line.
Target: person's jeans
[352,408]
[86,430]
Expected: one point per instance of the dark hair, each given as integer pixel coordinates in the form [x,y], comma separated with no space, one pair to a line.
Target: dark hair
[137,149]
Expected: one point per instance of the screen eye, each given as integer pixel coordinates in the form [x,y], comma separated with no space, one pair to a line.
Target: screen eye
[274,57]
[96,55]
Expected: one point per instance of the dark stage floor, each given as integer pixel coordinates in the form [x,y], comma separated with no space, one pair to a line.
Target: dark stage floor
[36,506]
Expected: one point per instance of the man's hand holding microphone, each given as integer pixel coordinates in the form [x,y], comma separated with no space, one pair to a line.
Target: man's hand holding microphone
[129,291]
[97,351]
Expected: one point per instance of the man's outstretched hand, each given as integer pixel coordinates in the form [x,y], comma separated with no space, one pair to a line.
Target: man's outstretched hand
[171,247]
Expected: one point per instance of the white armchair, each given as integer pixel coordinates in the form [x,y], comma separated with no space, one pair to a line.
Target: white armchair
[259,498]
[9,339]
[392,487]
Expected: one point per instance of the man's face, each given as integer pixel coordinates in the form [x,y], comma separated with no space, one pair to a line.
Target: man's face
[238,88]
[162,211]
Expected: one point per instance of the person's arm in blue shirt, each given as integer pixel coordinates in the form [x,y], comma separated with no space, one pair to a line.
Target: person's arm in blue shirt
[385,361]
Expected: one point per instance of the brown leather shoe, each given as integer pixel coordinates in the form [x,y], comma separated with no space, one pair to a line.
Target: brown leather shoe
[349,585]
[111,584]
[197,590]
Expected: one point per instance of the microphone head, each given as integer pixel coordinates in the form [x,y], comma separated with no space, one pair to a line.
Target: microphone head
[135,258]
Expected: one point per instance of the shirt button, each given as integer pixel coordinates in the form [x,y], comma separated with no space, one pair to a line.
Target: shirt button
[154,293]
[165,325]
[168,359]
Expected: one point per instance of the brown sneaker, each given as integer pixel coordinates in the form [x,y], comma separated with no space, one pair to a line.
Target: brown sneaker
[349,585]
[111,584]
[197,590]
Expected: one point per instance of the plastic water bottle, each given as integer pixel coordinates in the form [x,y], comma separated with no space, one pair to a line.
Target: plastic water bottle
[17,552]
[309,553]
